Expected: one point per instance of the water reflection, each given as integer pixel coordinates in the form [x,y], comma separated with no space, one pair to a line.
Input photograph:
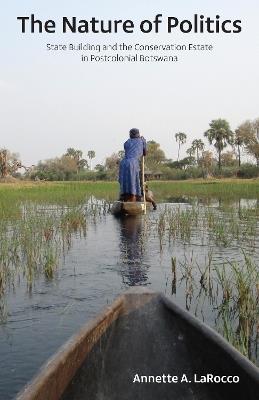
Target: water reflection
[132,247]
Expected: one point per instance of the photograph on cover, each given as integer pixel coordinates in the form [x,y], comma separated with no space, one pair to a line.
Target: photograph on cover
[129,200]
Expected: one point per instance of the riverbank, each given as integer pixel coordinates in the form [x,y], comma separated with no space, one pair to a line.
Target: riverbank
[76,191]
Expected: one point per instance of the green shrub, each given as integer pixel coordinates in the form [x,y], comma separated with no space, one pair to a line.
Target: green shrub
[225,172]
[248,171]
[176,174]
[86,176]
[195,172]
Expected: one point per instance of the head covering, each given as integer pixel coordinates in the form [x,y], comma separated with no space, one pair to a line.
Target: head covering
[134,133]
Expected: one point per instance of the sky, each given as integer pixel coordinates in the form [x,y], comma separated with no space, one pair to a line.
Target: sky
[49,102]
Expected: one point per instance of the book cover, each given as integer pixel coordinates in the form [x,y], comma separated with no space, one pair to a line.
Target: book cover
[129,154]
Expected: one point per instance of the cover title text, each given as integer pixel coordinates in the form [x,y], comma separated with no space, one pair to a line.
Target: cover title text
[196,24]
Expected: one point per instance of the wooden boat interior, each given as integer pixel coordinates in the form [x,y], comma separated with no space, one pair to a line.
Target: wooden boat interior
[143,333]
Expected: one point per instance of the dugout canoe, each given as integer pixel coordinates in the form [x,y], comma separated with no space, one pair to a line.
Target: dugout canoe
[128,208]
[143,334]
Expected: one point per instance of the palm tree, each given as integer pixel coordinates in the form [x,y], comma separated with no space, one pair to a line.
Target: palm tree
[220,135]
[91,155]
[239,142]
[197,146]
[190,151]
[77,155]
[180,137]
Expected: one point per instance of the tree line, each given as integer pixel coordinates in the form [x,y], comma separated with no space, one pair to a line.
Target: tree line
[198,162]
[220,135]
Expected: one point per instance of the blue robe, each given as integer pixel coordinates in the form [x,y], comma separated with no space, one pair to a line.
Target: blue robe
[129,167]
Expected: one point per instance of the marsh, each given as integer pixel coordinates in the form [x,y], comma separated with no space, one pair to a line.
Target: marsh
[63,257]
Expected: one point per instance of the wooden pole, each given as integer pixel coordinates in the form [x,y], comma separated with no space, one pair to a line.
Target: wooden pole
[143,184]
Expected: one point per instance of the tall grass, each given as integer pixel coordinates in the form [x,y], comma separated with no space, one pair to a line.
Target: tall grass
[75,192]
[226,286]
[225,189]
[232,290]
[207,225]
[31,245]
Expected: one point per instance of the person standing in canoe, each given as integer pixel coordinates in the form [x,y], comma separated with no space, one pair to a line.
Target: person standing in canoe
[129,173]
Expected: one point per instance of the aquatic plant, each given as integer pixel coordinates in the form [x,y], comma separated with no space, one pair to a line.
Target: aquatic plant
[32,244]
[232,290]
[206,225]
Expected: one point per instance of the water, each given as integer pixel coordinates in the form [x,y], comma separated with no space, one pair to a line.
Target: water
[114,255]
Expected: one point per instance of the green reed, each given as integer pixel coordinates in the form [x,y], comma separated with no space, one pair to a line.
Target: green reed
[225,189]
[231,290]
[31,245]
[208,225]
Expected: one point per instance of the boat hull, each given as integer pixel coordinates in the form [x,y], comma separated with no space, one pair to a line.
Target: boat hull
[144,334]
[128,208]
